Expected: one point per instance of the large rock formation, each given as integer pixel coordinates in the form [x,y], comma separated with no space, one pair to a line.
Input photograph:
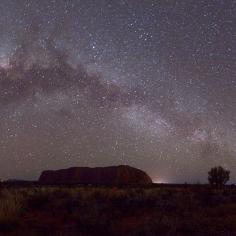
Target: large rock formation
[99,175]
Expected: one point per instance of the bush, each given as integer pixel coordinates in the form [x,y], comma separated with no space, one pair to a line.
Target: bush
[218,176]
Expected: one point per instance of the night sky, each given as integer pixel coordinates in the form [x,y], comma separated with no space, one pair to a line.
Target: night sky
[151,84]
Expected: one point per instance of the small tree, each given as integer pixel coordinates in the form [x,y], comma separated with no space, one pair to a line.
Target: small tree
[218,176]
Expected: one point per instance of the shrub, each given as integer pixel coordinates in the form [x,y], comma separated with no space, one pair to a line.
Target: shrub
[218,176]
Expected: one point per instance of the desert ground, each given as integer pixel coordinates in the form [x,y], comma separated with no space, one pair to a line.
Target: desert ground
[31,209]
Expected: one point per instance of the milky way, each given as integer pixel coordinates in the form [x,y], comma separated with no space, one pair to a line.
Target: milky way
[151,84]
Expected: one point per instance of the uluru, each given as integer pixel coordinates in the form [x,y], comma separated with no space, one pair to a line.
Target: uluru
[122,174]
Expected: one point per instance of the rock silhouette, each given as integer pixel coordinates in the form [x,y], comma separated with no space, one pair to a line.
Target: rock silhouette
[122,174]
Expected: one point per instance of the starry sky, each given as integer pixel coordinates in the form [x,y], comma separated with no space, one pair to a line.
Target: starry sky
[151,84]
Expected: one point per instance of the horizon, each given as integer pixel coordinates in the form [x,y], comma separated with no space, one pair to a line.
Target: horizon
[154,181]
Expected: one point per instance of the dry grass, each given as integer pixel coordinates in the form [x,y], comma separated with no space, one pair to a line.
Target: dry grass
[117,211]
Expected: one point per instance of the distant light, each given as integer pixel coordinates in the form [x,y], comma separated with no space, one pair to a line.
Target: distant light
[160,181]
